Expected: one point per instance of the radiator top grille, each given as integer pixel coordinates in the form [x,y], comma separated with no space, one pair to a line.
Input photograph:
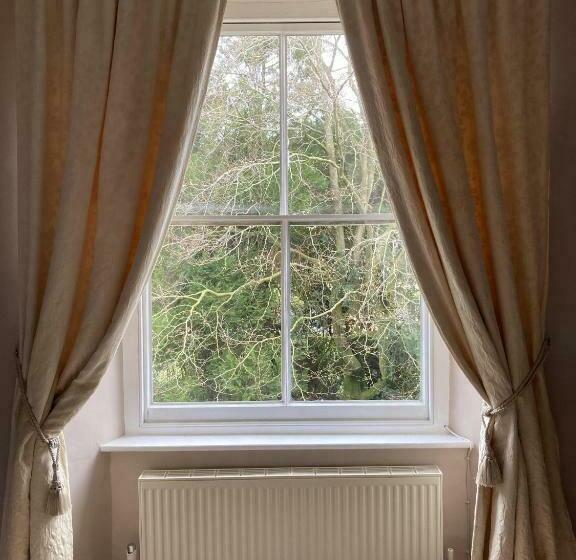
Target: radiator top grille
[291,472]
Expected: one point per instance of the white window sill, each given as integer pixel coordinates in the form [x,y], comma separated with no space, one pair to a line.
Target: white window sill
[155,443]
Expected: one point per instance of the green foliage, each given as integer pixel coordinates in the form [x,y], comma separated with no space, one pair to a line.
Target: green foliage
[216,300]
[234,167]
[367,346]
[216,315]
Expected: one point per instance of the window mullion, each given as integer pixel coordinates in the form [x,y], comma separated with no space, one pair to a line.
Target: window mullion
[283,126]
[285,313]
[285,232]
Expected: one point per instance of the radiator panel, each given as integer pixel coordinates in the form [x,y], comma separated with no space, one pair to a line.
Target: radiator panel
[361,513]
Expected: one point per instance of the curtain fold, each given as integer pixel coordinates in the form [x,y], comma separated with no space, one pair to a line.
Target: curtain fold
[456,96]
[108,97]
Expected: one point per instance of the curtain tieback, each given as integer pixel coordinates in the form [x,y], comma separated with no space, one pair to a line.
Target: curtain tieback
[489,472]
[56,502]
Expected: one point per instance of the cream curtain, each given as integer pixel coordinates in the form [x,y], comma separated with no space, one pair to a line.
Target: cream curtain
[108,95]
[456,94]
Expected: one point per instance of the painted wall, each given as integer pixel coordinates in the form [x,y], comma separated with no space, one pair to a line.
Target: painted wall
[127,467]
[90,477]
[561,366]
[8,282]
[104,486]
[293,9]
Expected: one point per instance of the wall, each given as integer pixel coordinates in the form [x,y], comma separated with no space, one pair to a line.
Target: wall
[8,253]
[465,404]
[106,501]
[90,484]
[104,486]
[127,467]
[294,9]
[561,366]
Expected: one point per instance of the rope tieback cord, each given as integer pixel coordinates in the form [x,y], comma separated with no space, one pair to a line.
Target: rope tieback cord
[56,502]
[489,472]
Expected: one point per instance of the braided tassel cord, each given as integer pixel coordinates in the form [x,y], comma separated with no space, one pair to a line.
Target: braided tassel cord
[57,502]
[489,471]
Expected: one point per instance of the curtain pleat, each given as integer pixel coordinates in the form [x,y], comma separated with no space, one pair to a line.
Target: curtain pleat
[108,97]
[456,96]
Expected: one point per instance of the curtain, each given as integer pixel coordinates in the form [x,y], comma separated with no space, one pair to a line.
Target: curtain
[456,95]
[108,96]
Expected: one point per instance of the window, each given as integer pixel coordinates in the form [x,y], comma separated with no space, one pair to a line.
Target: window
[283,290]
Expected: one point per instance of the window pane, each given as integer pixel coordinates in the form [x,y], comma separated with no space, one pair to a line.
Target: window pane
[216,315]
[355,314]
[234,166]
[333,168]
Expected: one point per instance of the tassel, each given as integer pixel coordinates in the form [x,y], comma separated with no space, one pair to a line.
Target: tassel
[489,473]
[57,502]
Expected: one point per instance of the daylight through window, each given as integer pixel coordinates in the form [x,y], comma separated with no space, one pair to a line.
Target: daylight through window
[283,277]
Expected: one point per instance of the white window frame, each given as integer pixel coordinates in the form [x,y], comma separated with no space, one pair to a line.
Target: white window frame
[143,416]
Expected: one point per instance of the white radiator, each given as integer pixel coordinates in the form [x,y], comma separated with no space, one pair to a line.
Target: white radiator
[348,513]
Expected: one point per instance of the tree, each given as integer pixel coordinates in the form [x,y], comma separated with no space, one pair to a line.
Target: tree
[355,329]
